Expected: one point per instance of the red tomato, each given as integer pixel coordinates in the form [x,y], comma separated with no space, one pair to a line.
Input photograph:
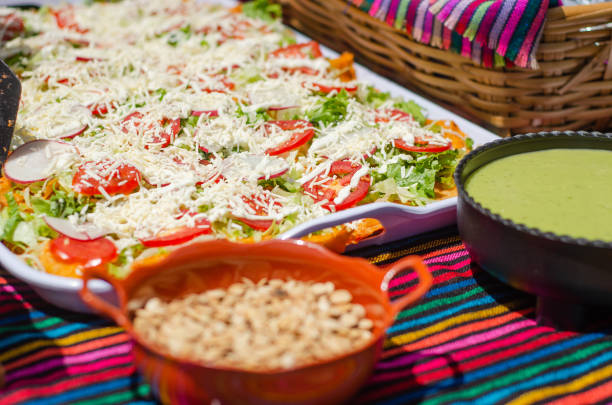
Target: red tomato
[302,69]
[12,26]
[328,89]
[421,144]
[100,108]
[396,115]
[123,179]
[227,84]
[340,175]
[171,128]
[65,81]
[64,18]
[89,253]
[423,147]
[298,138]
[87,59]
[306,50]
[258,204]
[180,235]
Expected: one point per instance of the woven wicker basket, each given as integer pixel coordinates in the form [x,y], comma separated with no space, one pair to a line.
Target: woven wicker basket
[571,90]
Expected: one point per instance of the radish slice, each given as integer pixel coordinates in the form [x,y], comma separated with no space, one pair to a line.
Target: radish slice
[72,132]
[88,59]
[283,108]
[210,113]
[39,159]
[85,231]
[72,126]
[259,167]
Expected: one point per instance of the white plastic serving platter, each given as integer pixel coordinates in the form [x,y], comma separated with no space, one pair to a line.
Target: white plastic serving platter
[400,221]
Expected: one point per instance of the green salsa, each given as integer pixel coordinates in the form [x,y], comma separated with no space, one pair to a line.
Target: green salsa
[564,191]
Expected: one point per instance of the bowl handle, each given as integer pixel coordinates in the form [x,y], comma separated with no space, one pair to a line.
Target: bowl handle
[98,303]
[425,281]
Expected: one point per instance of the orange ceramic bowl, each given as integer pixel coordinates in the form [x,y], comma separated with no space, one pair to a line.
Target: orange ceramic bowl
[218,264]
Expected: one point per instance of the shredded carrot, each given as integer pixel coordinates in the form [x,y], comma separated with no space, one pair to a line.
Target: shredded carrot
[49,188]
[5,187]
[54,265]
[451,131]
[344,64]
[237,9]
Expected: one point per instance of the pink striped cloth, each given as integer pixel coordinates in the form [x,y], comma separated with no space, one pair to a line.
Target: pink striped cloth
[490,32]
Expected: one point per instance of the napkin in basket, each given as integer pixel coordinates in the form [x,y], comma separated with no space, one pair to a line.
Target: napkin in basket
[490,32]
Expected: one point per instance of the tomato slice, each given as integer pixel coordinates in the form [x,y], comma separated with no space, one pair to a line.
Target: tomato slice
[227,84]
[87,59]
[88,253]
[171,128]
[394,114]
[180,235]
[64,18]
[306,50]
[423,146]
[301,69]
[328,89]
[304,131]
[122,179]
[12,26]
[340,175]
[258,204]
[100,108]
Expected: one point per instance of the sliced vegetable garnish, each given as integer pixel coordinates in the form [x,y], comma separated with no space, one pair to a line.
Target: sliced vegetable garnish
[224,84]
[107,176]
[75,231]
[303,131]
[394,115]
[210,113]
[306,50]
[179,235]
[260,167]
[65,19]
[259,204]
[421,146]
[101,108]
[338,189]
[12,26]
[323,88]
[90,253]
[37,160]
[158,136]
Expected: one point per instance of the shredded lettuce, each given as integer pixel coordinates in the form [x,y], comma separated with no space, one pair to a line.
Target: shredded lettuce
[262,9]
[413,109]
[61,204]
[25,234]
[287,184]
[332,110]
[120,268]
[13,218]
[415,180]
[376,98]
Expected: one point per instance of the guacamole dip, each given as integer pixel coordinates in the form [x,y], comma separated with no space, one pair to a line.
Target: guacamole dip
[564,191]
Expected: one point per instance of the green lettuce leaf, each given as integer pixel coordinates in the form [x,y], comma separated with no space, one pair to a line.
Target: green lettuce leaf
[262,9]
[61,204]
[13,218]
[332,110]
[413,109]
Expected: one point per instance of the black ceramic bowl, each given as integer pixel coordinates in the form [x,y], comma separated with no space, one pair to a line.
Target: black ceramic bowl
[566,274]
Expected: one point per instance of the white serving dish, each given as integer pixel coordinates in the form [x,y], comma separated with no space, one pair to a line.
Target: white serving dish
[400,221]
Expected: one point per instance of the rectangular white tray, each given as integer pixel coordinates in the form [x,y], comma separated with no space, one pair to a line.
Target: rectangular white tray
[400,221]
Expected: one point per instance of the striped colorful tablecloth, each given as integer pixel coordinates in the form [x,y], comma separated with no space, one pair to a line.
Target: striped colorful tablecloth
[471,340]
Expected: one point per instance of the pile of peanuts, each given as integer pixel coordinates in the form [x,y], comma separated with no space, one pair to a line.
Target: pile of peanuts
[268,325]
